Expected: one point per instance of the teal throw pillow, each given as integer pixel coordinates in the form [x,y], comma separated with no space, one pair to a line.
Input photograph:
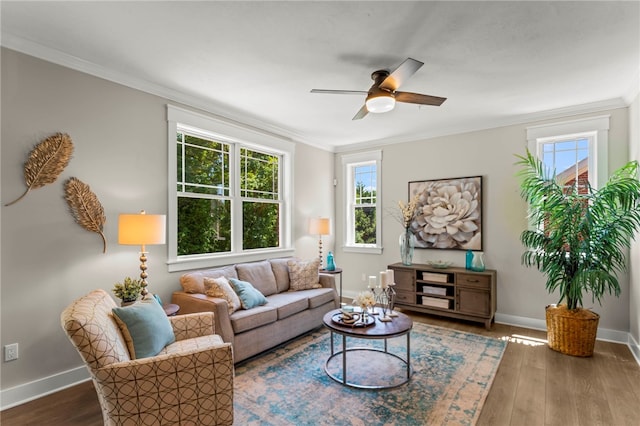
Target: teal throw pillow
[248,295]
[145,328]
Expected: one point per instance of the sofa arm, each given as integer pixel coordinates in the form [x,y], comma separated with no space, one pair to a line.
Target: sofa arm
[188,326]
[329,281]
[159,396]
[196,302]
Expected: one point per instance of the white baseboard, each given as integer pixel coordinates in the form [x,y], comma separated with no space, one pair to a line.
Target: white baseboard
[604,334]
[634,347]
[38,388]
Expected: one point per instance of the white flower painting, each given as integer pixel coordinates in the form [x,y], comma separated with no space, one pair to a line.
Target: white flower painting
[448,213]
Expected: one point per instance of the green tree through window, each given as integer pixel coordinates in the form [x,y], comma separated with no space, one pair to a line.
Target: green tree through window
[206,196]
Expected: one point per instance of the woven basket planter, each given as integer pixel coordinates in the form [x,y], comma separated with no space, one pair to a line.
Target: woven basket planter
[571,332]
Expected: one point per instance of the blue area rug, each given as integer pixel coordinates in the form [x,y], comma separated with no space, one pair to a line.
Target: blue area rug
[452,374]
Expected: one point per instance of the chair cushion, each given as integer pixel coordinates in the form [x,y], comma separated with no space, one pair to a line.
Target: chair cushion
[220,288]
[260,275]
[289,303]
[249,296]
[145,327]
[193,282]
[303,274]
[281,272]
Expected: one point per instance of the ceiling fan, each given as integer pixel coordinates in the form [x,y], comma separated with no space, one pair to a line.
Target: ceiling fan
[383,95]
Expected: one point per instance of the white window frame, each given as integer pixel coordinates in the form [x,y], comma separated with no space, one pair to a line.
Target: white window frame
[349,163]
[594,128]
[238,136]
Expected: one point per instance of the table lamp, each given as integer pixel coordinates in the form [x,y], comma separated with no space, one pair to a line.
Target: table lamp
[319,226]
[142,229]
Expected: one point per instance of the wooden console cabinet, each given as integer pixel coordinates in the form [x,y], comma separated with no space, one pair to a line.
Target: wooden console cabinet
[452,292]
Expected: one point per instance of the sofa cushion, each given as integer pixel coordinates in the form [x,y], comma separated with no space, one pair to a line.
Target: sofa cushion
[289,303]
[243,320]
[320,296]
[220,288]
[193,282]
[260,275]
[249,296]
[281,272]
[303,274]
[145,328]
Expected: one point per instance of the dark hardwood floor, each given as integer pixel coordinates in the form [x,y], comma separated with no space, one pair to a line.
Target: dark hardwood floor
[533,386]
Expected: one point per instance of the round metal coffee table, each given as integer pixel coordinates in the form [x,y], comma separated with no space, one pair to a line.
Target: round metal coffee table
[378,330]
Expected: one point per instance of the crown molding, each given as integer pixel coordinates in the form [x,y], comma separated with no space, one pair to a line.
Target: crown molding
[221,112]
[243,119]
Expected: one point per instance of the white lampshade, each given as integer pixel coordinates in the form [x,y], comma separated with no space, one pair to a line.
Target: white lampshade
[381,103]
[141,229]
[319,226]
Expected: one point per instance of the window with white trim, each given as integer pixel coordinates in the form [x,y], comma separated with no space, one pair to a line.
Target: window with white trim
[229,192]
[576,151]
[363,220]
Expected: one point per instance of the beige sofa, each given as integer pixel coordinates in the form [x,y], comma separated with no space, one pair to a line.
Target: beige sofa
[286,314]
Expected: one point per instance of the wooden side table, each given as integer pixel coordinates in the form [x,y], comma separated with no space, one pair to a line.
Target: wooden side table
[171,309]
[337,271]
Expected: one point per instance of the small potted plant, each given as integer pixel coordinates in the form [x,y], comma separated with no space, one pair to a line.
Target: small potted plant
[128,291]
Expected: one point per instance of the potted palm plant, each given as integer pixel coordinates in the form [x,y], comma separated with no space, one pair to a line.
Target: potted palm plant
[579,240]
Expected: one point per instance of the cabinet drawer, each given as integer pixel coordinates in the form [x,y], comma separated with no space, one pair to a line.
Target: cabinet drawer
[405,297]
[474,280]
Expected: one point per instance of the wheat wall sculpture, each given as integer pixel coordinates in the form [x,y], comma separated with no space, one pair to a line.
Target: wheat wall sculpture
[85,207]
[46,162]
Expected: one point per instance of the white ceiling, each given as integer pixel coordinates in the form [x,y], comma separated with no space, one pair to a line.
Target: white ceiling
[498,63]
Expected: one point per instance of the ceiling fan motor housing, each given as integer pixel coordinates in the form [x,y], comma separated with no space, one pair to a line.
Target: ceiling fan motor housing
[379,100]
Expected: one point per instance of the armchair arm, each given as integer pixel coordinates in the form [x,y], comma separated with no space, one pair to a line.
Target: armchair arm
[197,302]
[192,387]
[193,325]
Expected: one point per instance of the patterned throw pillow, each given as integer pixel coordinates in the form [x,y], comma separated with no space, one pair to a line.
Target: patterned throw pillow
[145,328]
[220,288]
[249,296]
[303,274]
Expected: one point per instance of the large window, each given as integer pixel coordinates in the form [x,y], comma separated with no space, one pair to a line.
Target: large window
[362,200]
[229,196]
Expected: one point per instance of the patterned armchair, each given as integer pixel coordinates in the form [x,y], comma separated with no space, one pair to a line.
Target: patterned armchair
[190,382]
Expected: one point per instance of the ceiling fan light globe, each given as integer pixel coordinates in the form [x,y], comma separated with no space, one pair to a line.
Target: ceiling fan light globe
[380,104]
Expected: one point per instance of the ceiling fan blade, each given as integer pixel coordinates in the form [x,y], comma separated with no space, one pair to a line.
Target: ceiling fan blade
[417,98]
[360,114]
[401,74]
[339,92]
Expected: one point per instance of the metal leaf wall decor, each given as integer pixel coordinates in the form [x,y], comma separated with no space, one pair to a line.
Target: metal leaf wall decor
[85,207]
[46,162]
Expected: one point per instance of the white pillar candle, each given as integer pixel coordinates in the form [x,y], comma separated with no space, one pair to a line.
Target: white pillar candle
[372,281]
[384,279]
[390,277]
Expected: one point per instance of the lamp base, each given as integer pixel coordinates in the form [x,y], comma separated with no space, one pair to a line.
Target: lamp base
[143,273]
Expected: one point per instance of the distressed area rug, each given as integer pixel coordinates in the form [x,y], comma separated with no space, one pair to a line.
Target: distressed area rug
[452,374]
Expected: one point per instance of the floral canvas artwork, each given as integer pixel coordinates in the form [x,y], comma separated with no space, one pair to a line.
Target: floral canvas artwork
[448,213]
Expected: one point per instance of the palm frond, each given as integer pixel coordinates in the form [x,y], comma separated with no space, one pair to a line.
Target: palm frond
[579,238]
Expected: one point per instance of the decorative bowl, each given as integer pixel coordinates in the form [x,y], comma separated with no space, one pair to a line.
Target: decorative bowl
[439,264]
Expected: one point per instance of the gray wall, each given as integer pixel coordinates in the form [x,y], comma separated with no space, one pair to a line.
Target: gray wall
[490,153]
[634,265]
[121,152]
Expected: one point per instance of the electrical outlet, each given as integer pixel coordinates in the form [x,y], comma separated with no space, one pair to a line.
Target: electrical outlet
[11,352]
[364,277]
